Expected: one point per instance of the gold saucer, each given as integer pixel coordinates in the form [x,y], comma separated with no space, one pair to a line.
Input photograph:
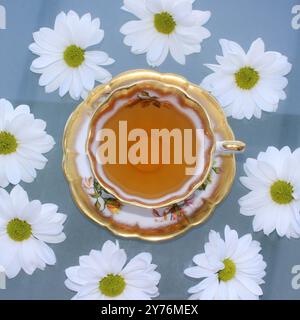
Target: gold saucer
[128,220]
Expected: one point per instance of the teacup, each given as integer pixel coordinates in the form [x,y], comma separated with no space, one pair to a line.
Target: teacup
[152,145]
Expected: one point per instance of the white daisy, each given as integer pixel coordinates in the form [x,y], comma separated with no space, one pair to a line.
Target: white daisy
[274,199]
[25,226]
[164,26]
[247,83]
[102,275]
[232,268]
[23,140]
[64,61]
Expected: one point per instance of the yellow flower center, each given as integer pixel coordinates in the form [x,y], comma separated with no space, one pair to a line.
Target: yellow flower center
[8,143]
[112,285]
[228,272]
[74,56]
[18,230]
[246,78]
[164,22]
[282,192]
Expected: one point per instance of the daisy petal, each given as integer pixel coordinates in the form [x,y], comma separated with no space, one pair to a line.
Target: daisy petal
[240,271]
[147,35]
[64,63]
[102,267]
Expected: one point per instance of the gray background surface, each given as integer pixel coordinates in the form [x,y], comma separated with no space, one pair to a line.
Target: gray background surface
[239,20]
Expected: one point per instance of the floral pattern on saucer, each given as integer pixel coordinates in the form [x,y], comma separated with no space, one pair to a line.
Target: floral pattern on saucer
[104,201]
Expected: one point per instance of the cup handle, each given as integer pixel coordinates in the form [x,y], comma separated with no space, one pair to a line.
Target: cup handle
[229,147]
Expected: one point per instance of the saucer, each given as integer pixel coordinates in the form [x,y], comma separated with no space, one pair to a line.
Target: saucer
[126,219]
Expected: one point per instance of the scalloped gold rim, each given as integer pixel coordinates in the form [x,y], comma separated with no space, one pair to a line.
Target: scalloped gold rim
[200,215]
[194,186]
